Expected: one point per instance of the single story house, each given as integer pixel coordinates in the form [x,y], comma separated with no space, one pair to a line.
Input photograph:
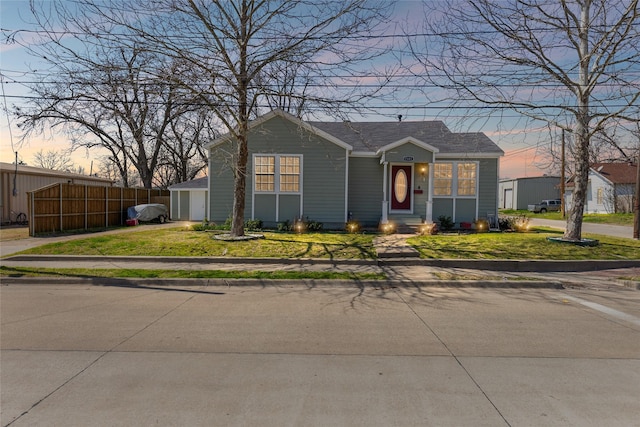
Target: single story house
[16,181]
[518,193]
[371,172]
[611,188]
[190,200]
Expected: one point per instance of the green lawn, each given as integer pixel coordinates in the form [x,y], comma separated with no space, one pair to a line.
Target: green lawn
[184,274]
[613,219]
[182,242]
[531,245]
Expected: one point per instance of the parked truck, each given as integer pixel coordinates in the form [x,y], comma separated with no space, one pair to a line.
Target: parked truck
[546,206]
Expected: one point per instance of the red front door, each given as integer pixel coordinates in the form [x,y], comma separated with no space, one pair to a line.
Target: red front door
[401,188]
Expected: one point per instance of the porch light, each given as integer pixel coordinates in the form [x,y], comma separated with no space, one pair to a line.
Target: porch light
[427,228]
[298,226]
[388,227]
[423,171]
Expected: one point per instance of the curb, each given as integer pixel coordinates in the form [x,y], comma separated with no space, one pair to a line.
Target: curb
[308,283]
[493,265]
[189,260]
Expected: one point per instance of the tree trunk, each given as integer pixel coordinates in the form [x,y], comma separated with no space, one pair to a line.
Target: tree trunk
[581,132]
[240,183]
[574,219]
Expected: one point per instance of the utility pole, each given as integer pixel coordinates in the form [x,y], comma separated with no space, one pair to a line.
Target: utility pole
[562,179]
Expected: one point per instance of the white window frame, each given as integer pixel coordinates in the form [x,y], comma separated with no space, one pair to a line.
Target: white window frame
[276,178]
[454,181]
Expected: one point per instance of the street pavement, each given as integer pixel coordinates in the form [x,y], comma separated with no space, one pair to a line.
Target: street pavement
[338,355]
[485,348]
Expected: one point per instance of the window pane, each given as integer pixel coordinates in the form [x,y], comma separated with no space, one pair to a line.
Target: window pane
[443,179]
[466,179]
[264,173]
[289,174]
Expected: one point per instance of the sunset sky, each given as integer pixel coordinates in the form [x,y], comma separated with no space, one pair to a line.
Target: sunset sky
[524,142]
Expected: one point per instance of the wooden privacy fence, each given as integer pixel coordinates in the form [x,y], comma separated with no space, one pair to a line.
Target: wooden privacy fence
[68,207]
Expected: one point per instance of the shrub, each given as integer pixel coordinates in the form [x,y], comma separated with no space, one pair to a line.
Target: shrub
[446,223]
[285,226]
[313,225]
[514,223]
[253,225]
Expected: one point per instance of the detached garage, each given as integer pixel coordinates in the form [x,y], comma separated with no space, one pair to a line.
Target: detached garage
[518,193]
[189,200]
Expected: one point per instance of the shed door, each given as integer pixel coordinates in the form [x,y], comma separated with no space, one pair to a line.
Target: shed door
[198,202]
[401,187]
[508,198]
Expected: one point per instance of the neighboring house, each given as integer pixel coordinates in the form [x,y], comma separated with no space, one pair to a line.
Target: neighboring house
[372,172]
[190,199]
[518,193]
[611,188]
[15,182]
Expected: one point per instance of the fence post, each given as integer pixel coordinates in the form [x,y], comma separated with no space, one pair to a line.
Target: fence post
[60,201]
[86,207]
[106,207]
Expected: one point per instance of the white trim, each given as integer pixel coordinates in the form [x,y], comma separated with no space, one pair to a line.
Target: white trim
[469,156]
[368,154]
[408,140]
[346,187]
[276,182]
[454,180]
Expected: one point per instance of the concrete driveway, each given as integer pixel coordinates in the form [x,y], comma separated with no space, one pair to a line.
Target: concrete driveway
[318,356]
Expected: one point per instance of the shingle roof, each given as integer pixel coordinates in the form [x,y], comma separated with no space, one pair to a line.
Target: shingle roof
[371,136]
[617,173]
[194,184]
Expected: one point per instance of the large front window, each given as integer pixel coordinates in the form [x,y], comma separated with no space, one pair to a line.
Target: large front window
[277,173]
[455,179]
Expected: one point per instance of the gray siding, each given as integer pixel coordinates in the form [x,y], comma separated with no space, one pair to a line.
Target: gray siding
[185,206]
[174,205]
[323,175]
[418,154]
[442,207]
[488,188]
[365,190]
[221,183]
[470,209]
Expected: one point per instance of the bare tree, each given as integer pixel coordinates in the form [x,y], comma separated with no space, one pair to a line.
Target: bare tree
[573,64]
[104,94]
[233,53]
[51,159]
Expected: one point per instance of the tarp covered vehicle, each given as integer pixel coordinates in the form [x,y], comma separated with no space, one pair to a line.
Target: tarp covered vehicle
[148,212]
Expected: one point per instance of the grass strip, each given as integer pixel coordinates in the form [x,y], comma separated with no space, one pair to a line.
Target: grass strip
[532,245]
[184,274]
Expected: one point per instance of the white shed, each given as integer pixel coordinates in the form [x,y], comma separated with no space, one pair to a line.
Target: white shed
[190,200]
